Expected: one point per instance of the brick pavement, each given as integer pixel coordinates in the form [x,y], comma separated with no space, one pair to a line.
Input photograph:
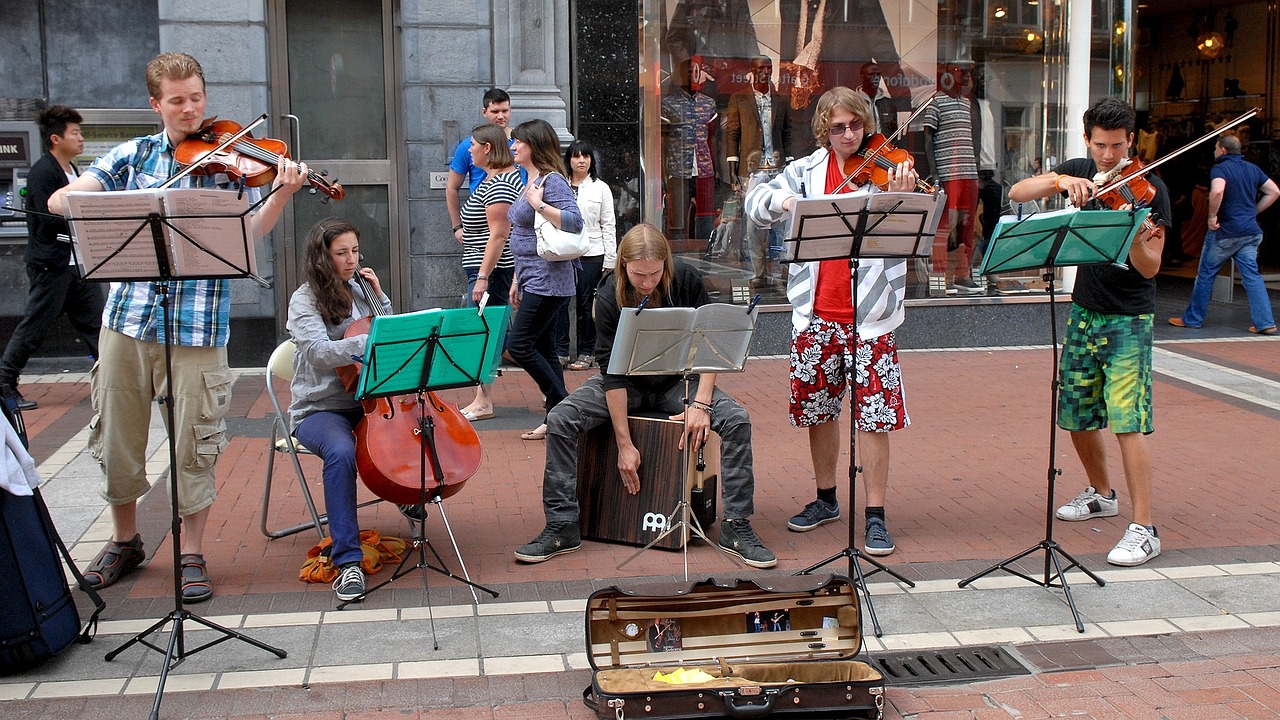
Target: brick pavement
[967,488]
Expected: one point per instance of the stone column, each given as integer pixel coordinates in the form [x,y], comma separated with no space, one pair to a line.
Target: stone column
[531,59]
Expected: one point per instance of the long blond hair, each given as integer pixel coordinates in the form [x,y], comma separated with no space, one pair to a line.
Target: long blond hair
[643,242]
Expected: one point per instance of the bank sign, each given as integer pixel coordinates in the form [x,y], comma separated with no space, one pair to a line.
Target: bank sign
[14,151]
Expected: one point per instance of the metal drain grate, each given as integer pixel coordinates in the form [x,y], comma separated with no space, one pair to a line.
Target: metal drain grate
[947,667]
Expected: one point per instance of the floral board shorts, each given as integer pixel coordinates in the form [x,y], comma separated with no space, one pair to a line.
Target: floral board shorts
[822,356]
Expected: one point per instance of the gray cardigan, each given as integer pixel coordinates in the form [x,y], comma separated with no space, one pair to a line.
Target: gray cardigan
[321,350]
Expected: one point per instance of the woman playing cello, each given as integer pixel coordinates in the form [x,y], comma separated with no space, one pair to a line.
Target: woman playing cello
[324,413]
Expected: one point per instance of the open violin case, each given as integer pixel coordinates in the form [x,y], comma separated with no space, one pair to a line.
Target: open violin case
[765,647]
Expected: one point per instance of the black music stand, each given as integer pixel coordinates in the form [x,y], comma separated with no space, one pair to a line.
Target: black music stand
[1051,240]
[853,226]
[95,237]
[420,352]
[713,338]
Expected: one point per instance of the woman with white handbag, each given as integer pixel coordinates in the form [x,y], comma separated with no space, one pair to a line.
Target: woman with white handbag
[543,287]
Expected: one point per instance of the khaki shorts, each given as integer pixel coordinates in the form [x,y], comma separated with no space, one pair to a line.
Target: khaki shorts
[127,380]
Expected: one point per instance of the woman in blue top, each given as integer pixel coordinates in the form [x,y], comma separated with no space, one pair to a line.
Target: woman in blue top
[542,288]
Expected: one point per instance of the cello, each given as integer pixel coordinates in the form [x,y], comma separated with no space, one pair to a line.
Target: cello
[389,440]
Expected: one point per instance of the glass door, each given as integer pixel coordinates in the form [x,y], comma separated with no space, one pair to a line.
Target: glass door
[333,100]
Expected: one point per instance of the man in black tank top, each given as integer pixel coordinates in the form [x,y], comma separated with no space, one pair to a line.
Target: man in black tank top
[1105,375]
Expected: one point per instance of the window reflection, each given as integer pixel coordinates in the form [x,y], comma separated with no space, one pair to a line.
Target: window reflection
[738,81]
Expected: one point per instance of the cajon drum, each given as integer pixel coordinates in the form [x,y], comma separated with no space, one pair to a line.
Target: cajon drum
[608,512]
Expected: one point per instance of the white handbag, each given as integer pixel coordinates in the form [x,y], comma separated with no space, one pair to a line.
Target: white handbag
[555,244]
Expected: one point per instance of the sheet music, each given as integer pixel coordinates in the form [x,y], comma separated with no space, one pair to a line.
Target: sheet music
[94,241]
[671,341]
[900,224]
[221,228]
[103,223]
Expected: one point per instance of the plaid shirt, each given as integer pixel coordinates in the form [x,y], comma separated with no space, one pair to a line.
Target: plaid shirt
[199,310]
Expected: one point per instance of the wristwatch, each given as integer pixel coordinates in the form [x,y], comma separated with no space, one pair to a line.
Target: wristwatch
[542,207]
[457,227]
[481,276]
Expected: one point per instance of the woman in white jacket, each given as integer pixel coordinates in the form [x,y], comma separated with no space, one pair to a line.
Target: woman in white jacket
[595,200]
[829,350]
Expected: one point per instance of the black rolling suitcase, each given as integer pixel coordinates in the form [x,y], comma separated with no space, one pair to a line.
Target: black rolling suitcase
[38,616]
[779,647]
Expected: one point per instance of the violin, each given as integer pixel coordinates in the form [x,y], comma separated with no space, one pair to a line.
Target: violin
[390,428]
[879,156]
[1124,184]
[224,146]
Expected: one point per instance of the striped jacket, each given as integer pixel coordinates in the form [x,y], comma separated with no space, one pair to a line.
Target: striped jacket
[882,284]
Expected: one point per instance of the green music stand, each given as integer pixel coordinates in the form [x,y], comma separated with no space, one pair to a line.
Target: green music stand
[418,352]
[1050,240]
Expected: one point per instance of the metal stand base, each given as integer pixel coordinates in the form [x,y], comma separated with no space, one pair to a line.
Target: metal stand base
[856,558]
[176,650]
[1054,579]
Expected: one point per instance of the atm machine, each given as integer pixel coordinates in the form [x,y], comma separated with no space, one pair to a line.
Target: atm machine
[19,149]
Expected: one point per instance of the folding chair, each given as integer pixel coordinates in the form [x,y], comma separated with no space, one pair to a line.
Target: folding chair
[281,366]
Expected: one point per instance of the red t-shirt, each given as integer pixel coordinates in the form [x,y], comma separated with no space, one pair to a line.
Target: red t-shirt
[834,297]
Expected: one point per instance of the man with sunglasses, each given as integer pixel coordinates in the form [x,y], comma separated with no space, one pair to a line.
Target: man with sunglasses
[830,350]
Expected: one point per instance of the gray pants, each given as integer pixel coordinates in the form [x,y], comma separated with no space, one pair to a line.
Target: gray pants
[586,409]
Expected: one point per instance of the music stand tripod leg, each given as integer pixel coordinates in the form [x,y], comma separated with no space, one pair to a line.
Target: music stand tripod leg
[854,555]
[1050,547]
[176,651]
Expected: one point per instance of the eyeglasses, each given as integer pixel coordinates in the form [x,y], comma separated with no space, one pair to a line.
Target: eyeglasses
[839,130]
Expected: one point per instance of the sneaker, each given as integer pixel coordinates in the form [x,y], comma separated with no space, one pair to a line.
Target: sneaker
[413,513]
[814,514]
[966,286]
[737,538]
[1089,504]
[877,540]
[350,582]
[557,538]
[1136,547]
[9,393]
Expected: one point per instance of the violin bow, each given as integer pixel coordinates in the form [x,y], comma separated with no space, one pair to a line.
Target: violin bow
[871,156]
[231,140]
[1157,163]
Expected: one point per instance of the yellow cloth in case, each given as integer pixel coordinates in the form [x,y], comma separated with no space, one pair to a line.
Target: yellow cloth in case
[680,676]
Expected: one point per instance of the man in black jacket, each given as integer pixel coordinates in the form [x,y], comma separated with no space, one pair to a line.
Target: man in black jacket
[55,286]
[648,274]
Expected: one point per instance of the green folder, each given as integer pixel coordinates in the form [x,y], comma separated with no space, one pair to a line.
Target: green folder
[432,350]
[1062,238]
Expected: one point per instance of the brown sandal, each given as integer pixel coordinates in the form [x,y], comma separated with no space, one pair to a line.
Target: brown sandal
[114,561]
[196,586]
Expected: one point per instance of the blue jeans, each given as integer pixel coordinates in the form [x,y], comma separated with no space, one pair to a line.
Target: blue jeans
[1217,251]
[499,285]
[331,436]
[588,278]
[532,344]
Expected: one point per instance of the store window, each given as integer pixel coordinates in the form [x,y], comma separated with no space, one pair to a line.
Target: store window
[728,90]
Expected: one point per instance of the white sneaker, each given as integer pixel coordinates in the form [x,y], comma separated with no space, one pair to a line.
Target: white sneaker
[1136,547]
[1089,504]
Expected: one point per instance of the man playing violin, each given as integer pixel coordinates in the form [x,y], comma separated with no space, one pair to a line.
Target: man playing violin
[130,371]
[829,350]
[1106,356]
[324,412]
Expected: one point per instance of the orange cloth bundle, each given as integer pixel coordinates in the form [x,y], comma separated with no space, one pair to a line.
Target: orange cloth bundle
[319,568]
